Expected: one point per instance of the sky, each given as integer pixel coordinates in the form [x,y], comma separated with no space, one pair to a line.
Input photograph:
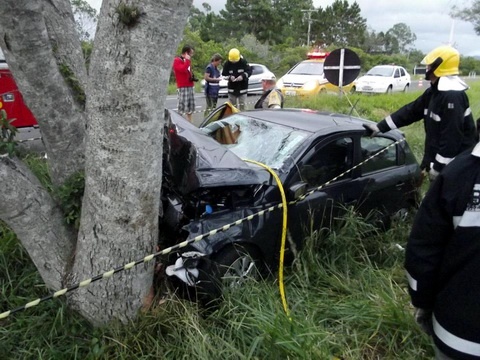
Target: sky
[428,20]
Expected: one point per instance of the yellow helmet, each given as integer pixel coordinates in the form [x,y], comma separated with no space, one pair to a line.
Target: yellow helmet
[234,55]
[443,60]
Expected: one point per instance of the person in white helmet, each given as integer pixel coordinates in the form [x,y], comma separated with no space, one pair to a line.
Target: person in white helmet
[445,109]
[272,98]
[237,71]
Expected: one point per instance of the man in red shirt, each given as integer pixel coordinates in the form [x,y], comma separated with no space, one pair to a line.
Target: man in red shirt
[185,82]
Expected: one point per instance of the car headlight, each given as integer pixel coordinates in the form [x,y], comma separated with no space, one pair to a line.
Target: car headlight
[310,85]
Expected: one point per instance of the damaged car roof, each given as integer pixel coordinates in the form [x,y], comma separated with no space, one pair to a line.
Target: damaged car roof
[198,160]
[195,160]
[305,119]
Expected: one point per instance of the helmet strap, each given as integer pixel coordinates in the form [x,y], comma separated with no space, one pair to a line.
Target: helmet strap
[432,67]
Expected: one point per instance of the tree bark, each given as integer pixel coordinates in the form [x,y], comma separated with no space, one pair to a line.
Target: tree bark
[37,38]
[129,72]
[28,209]
[125,95]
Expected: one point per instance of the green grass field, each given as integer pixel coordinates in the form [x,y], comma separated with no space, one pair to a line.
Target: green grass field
[347,295]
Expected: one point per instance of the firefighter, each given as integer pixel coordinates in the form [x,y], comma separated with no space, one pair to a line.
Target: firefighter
[445,109]
[237,71]
[443,260]
[272,98]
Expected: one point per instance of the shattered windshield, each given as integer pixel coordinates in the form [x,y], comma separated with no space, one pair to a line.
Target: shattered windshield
[308,68]
[259,140]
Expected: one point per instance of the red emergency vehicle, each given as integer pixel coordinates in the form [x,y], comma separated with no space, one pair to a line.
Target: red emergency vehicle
[12,101]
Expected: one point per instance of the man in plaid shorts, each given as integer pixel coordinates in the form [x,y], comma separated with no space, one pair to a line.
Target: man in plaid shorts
[185,82]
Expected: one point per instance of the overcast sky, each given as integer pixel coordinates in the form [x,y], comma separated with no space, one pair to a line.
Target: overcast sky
[428,19]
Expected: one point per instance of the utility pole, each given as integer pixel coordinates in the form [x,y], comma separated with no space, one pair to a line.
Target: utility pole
[452,27]
[309,19]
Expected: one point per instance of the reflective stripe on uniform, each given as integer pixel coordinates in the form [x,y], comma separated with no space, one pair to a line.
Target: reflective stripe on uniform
[476,150]
[467,112]
[412,282]
[468,219]
[471,215]
[455,342]
[390,122]
[443,160]
[435,117]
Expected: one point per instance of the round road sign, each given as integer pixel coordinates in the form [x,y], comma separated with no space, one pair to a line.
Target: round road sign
[341,67]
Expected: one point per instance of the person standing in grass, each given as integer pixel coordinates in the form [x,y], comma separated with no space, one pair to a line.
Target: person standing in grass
[212,78]
[443,260]
[445,109]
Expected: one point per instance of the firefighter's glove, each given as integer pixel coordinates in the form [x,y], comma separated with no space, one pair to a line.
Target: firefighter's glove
[372,129]
[423,317]
[432,174]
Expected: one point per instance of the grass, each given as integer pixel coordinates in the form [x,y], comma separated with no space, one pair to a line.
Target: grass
[347,295]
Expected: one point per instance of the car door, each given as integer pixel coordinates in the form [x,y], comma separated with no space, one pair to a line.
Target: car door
[386,176]
[254,82]
[397,80]
[324,168]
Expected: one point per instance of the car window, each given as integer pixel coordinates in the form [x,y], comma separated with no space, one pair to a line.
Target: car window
[256,69]
[308,68]
[373,146]
[324,163]
[397,73]
[386,71]
[402,72]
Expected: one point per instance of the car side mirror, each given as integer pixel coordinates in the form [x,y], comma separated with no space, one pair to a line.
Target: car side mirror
[296,191]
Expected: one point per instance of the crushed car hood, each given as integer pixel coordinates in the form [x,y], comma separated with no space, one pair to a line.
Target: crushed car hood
[193,160]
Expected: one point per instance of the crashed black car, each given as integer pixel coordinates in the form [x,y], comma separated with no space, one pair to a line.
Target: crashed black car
[208,184]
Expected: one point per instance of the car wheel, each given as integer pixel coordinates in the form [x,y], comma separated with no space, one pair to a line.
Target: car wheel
[406,88]
[234,265]
[237,264]
[353,90]
[389,90]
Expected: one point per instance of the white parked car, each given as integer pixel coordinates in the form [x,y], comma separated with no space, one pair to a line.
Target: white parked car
[383,79]
[254,82]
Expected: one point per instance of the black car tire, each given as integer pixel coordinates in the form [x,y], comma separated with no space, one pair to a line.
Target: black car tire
[230,268]
[389,89]
[406,88]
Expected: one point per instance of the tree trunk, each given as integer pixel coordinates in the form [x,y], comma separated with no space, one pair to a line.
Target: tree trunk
[48,67]
[125,95]
[129,72]
[31,213]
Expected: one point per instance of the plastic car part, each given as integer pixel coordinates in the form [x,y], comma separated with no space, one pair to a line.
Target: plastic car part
[185,267]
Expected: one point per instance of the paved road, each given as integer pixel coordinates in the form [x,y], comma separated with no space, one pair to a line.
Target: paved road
[171,103]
